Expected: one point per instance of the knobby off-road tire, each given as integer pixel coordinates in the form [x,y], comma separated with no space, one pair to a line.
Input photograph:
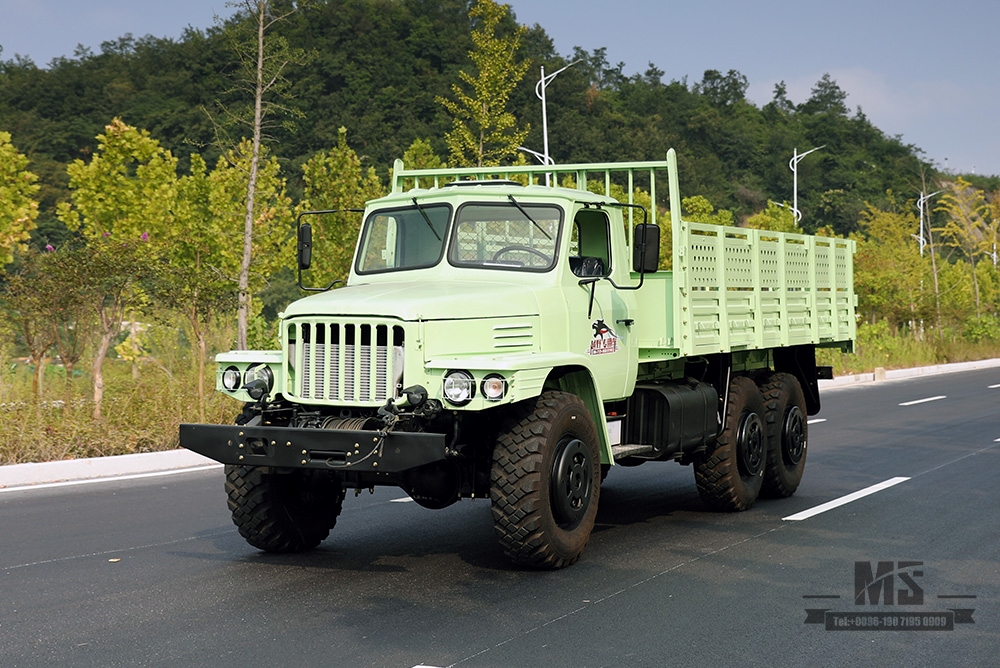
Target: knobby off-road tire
[729,477]
[787,435]
[545,481]
[283,512]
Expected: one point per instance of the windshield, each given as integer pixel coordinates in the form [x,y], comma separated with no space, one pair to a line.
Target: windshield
[512,236]
[406,238]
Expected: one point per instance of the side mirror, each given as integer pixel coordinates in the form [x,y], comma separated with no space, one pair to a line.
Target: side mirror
[305,246]
[646,253]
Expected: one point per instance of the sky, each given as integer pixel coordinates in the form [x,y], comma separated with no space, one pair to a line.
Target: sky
[924,71]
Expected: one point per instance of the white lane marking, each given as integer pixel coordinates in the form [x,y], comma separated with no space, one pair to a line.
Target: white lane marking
[830,505]
[923,401]
[815,420]
[996,440]
[993,387]
[405,499]
[122,550]
[92,481]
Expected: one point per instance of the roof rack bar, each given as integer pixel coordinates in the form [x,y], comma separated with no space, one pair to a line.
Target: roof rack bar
[533,172]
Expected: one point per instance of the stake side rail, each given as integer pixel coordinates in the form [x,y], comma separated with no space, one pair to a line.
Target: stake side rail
[738,289]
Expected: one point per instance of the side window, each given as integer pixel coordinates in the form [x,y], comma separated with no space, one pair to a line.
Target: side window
[590,244]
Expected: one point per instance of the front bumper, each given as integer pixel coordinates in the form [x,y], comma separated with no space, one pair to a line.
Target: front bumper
[326,449]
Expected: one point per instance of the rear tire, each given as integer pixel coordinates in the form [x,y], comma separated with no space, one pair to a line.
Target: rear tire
[290,511]
[787,435]
[545,482]
[729,477]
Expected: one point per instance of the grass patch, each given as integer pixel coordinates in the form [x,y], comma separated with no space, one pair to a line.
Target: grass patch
[140,414]
[878,346]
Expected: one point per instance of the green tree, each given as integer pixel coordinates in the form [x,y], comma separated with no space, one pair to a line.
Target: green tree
[698,209]
[72,319]
[483,131]
[888,269]
[28,299]
[119,272]
[723,90]
[826,98]
[421,155]
[18,208]
[966,228]
[129,187]
[776,218]
[123,202]
[335,181]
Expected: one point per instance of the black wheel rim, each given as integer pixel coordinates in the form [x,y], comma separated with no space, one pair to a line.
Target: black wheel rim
[793,436]
[750,445]
[572,485]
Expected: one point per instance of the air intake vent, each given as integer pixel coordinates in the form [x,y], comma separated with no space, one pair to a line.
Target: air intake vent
[513,336]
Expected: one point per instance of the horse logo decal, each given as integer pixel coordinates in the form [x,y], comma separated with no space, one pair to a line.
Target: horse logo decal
[605,340]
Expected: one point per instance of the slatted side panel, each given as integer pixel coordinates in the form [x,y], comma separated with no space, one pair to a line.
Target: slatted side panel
[740,288]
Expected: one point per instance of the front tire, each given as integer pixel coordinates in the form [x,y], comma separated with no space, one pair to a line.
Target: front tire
[730,476]
[288,511]
[545,482]
[787,435]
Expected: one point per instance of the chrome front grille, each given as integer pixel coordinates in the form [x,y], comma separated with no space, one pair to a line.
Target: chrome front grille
[338,362]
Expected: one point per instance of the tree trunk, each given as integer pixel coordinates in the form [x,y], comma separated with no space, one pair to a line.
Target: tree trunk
[68,389]
[975,285]
[37,377]
[244,285]
[97,371]
[199,336]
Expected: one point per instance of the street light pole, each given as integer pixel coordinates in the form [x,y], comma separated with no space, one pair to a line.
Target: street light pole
[543,82]
[544,159]
[920,207]
[793,165]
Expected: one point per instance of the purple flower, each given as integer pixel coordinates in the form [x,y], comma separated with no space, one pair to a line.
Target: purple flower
[144,236]
[49,247]
[106,235]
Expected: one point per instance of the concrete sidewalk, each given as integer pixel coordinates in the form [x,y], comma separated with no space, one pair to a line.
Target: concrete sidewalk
[21,476]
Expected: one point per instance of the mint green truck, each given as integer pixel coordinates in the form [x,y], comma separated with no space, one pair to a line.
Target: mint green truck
[505,339]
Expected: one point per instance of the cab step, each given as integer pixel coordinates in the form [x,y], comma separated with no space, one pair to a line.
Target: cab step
[630,450]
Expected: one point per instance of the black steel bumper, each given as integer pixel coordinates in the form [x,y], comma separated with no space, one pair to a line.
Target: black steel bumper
[343,450]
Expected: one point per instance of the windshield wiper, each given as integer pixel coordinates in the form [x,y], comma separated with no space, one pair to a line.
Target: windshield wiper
[526,215]
[428,220]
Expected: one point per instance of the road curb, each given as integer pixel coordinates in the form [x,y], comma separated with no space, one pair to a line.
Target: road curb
[882,375]
[21,475]
[26,475]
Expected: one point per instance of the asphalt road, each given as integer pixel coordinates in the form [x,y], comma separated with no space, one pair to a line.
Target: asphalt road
[151,572]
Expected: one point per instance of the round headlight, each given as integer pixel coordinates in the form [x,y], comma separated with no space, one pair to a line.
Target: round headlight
[231,378]
[494,387]
[260,372]
[459,387]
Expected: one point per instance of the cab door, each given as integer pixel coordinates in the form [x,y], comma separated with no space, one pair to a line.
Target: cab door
[600,315]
